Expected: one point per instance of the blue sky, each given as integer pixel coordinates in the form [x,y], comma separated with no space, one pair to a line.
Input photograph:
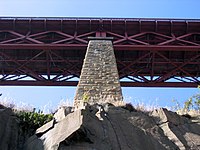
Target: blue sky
[40,96]
[101,8]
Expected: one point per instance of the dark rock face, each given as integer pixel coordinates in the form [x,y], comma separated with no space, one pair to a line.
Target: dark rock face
[118,129]
[105,127]
[12,136]
[8,130]
[183,131]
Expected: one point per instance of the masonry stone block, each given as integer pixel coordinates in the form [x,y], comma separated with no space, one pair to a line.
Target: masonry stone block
[99,80]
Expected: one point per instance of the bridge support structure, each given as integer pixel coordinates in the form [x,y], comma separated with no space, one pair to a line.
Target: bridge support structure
[149,52]
[99,79]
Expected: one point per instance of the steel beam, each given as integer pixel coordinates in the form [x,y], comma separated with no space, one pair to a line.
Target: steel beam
[84,46]
[149,52]
[123,84]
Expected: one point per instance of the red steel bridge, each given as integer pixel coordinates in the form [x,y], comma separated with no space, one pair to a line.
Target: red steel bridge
[149,52]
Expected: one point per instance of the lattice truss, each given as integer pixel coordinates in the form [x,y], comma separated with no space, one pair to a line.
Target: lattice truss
[148,52]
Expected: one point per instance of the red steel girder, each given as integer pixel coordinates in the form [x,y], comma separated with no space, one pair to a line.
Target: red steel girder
[75,83]
[149,51]
[84,46]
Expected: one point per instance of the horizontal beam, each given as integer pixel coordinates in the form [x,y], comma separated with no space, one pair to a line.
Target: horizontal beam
[38,83]
[123,84]
[160,84]
[96,18]
[43,46]
[84,46]
[157,48]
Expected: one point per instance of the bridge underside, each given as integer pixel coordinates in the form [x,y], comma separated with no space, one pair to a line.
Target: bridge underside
[50,51]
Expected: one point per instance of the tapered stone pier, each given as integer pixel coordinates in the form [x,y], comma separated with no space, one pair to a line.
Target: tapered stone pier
[99,80]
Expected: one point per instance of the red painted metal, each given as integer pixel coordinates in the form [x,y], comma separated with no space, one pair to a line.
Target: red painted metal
[75,83]
[149,52]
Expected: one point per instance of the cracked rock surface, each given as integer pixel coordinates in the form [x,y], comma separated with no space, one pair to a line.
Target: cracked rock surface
[115,128]
[184,132]
[9,138]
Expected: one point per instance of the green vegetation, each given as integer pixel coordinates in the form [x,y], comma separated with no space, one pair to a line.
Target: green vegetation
[86,97]
[193,103]
[30,121]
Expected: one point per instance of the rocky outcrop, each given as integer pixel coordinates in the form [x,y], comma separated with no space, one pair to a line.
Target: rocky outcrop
[182,130]
[108,127]
[62,112]
[105,127]
[9,129]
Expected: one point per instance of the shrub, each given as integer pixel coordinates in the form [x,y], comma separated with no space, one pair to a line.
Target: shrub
[193,103]
[30,121]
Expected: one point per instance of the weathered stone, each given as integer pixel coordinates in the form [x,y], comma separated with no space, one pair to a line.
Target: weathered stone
[34,143]
[113,129]
[182,131]
[45,127]
[63,129]
[9,129]
[62,112]
[2,107]
[99,70]
[163,116]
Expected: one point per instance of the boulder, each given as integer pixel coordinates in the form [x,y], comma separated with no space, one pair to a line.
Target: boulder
[105,127]
[62,112]
[9,128]
[45,127]
[162,115]
[117,129]
[184,132]
[2,107]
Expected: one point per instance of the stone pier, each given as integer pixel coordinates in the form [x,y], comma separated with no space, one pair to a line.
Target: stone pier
[99,80]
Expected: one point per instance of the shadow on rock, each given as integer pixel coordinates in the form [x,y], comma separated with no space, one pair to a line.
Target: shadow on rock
[105,127]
